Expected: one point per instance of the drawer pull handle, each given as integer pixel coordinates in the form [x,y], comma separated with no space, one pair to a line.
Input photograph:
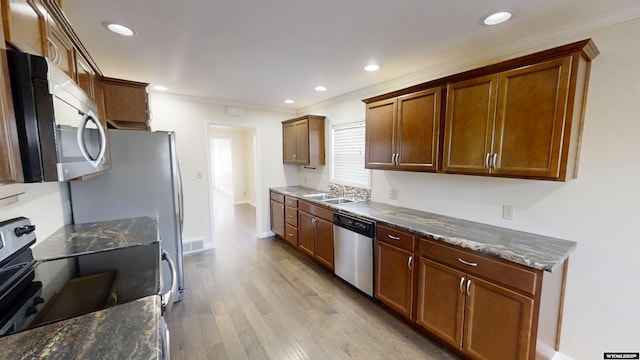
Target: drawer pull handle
[468,285]
[393,237]
[409,262]
[461,284]
[290,216]
[290,234]
[467,263]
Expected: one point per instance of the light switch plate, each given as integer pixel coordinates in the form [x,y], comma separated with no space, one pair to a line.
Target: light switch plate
[393,194]
[507,212]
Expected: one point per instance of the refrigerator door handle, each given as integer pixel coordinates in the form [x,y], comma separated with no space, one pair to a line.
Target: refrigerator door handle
[180,196]
[167,298]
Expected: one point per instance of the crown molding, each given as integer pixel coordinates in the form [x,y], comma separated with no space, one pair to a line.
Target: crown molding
[529,44]
[221,102]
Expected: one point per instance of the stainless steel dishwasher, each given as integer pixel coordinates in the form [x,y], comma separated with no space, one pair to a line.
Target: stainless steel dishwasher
[353,250]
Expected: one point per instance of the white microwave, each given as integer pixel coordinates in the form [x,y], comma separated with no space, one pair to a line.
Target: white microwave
[59,131]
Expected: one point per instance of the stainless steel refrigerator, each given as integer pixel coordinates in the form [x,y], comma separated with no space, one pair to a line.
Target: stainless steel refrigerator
[144,180]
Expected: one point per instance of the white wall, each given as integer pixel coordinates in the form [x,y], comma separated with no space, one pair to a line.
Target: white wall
[249,195]
[47,205]
[599,210]
[190,119]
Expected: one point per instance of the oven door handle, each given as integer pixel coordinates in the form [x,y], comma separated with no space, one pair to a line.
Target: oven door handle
[167,298]
[90,116]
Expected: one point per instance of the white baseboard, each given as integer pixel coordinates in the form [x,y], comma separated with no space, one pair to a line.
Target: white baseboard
[561,356]
[266,234]
[245,202]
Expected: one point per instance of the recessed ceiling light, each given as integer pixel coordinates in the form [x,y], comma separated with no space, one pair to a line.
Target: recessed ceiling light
[160,88]
[289,101]
[372,67]
[119,29]
[497,17]
[321,88]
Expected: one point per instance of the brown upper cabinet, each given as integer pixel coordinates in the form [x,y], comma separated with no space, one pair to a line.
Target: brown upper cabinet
[515,123]
[303,140]
[402,133]
[10,165]
[24,26]
[126,103]
[519,118]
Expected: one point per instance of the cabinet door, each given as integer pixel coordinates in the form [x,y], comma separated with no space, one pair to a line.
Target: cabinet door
[24,25]
[394,278]
[324,242]
[380,134]
[60,49]
[470,115]
[10,164]
[126,101]
[441,301]
[288,143]
[530,121]
[84,75]
[291,234]
[277,218]
[306,233]
[418,130]
[498,322]
[301,155]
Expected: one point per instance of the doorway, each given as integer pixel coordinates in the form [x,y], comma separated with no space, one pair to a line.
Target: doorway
[233,169]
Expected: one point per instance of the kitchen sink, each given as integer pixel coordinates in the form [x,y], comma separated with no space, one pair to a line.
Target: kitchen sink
[338,201]
[321,196]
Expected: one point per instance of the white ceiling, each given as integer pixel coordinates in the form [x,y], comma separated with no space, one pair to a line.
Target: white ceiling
[261,52]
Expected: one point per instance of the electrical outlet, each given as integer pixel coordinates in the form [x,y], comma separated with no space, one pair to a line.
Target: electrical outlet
[305,180]
[507,212]
[393,194]
[198,174]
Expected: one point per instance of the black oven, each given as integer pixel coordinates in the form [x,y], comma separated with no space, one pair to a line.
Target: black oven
[37,292]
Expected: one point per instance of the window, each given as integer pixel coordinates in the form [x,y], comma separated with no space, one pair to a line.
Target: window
[348,155]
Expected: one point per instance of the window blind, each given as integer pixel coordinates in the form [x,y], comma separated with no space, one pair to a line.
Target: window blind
[348,155]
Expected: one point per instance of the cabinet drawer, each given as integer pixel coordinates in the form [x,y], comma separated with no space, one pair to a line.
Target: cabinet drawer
[277,197]
[512,275]
[316,210]
[395,237]
[291,215]
[291,234]
[291,201]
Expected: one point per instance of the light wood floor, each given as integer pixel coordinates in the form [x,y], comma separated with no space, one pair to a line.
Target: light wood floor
[255,298]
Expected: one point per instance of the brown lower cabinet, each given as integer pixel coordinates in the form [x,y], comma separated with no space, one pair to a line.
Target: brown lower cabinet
[481,307]
[394,270]
[277,214]
[478,317]
[315,227]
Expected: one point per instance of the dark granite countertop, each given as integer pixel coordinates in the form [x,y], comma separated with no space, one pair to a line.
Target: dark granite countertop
[532,250]
[81,239]
[127,331]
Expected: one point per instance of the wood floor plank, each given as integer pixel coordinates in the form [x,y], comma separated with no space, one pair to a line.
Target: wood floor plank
[255,298]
